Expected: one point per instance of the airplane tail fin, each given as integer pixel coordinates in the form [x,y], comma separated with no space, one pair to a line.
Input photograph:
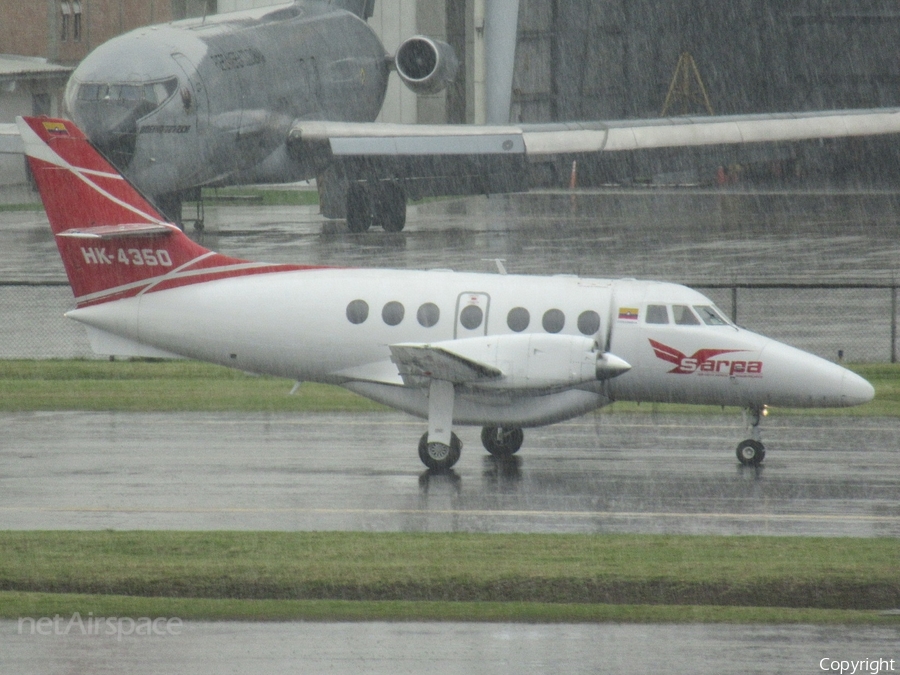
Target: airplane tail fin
[113,242]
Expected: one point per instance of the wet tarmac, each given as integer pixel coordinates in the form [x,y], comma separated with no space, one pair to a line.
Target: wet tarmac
[623,472]
[601,473]
[692,236]
[453,648]
[698,237]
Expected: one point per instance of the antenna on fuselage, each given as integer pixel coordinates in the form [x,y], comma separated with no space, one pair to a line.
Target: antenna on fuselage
[501,269]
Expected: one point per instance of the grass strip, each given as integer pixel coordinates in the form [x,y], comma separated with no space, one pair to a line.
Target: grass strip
[160,386]
[800,573]
[16,605]
[261,196]
[163,386]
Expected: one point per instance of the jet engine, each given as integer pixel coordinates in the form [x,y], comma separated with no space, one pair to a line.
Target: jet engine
[426,66]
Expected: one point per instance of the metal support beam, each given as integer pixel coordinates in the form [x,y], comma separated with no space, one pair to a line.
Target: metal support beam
[501,21]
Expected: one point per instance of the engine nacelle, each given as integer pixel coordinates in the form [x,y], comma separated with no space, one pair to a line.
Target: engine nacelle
[539,361]
[426,66]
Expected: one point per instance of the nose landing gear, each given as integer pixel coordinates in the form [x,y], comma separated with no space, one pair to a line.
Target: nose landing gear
[752,452]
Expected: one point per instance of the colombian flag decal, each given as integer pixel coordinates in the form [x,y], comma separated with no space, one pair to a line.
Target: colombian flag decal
[628,314]
[56,128]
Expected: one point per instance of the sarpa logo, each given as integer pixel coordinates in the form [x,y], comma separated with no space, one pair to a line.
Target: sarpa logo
[707,362]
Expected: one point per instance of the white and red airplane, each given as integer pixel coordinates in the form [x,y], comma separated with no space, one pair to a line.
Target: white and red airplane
[501,351]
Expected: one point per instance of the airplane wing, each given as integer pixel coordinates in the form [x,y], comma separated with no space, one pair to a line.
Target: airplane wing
[439,363]
[470,159]
[372,139]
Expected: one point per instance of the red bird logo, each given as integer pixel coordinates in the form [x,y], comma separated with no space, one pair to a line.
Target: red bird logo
[704,360]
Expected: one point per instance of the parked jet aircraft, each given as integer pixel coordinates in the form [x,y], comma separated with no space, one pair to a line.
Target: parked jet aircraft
[501,351]
[290,93]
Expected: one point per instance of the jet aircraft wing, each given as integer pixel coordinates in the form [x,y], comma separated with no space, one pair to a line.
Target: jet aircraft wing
[372,139]
[461,159]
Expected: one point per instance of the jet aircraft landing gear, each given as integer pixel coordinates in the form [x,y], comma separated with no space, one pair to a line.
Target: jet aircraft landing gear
[439,447]
[439,456]
[752,452]
[502,442]
[382,205]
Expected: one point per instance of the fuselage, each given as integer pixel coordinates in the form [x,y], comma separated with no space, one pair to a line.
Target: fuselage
[336,326]
[266,69]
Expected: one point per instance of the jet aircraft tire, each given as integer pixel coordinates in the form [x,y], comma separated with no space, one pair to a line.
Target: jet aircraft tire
[751,453]
[389,208]
[359,209]
[502,441]
[439,456]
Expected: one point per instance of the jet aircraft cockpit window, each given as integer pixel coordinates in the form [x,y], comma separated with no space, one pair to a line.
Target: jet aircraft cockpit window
[154,93]
[657,314]
[684,316]
[710,315]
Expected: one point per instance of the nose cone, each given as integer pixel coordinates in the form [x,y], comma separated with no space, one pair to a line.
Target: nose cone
[855,390]
[798,379]
[114,86]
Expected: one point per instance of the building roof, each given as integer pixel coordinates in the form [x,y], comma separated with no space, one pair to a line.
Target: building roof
[30,67]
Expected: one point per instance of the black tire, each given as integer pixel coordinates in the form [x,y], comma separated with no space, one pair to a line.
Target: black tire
[359,209]
[389,207]
[751,453]
[502,441]
[437,456]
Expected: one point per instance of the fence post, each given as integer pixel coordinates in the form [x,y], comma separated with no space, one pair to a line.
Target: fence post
[894,323]
[734,305]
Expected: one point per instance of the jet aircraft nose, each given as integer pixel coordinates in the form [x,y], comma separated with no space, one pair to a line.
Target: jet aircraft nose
[109,92]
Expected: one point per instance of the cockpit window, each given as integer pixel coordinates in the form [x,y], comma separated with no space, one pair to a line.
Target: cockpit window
[152,92]
[657,314]
[711,316]
[684,316]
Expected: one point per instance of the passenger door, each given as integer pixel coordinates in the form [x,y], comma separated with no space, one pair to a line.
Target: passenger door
[471,315]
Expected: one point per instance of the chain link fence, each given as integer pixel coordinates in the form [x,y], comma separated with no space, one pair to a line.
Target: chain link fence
[850,322]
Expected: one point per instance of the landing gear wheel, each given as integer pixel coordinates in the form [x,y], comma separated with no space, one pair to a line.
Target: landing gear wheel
[389,207]
[359,209]
[502,441]
[438,456]
[751,453]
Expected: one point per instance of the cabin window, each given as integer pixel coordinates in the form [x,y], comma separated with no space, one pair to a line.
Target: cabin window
[471,317]
[76,20]
[393,313]
[684,316]
[65,10]
[357,311]
[588,322]
[428,315]
[553,320]
[657,314]
[710,315]
[518,319]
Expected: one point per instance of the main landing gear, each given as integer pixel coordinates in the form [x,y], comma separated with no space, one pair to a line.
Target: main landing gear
[752,452]
[380,205]
[439,456]
[502,442]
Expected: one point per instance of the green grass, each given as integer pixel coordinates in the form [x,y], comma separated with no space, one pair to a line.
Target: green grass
[15,605]
[261,196]
[162,386]
[439,576]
